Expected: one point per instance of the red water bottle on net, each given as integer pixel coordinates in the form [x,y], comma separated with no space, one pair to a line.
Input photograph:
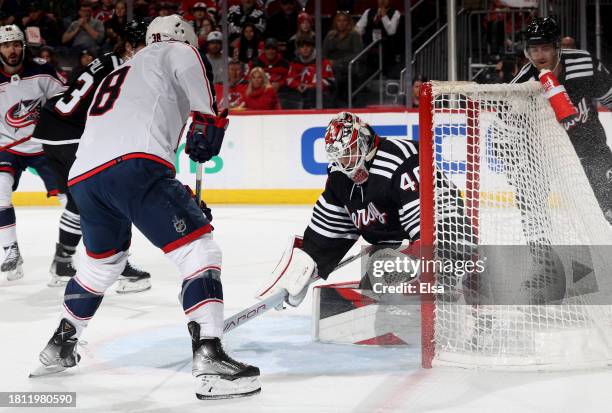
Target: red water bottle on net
[557,96]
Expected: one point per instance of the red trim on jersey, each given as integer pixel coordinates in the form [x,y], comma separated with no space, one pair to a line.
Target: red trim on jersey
[53,192]
[86,287]
[134,155]
[7,169]
[202,303]
[101,255]
[208,88]
[7,226]
[24,153]
[187,238]
[201,270]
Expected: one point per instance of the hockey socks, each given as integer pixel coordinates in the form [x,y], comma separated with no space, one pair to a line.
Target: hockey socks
[8,233]
[80,304]
[202,300]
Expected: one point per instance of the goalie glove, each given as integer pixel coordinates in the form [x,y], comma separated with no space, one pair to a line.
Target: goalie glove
[205,136]
[294,273]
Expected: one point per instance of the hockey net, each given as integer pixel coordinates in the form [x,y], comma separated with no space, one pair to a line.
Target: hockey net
[528,207]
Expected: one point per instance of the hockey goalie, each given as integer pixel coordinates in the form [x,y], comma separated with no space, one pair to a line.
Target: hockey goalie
[372,191]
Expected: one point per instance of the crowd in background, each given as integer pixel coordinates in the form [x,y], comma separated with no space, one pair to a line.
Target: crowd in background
[271,44]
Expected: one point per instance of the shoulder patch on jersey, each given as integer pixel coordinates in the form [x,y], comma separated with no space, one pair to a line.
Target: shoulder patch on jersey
[39,60]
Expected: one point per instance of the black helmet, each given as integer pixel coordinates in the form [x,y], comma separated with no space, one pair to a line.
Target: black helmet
[543,31]
[135,32]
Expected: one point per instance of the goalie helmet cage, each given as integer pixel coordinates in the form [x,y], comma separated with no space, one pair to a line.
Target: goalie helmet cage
[522,184]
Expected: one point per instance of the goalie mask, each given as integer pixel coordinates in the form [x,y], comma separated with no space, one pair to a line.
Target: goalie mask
[12,33]
[350,144]
[173,27]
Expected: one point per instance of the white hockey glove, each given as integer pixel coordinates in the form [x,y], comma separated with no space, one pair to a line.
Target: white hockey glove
[295,271]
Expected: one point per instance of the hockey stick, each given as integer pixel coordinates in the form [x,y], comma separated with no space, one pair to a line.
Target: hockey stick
[276,300]
[198,184]
[17,142]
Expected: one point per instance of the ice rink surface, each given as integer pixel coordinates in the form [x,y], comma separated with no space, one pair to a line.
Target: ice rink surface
[136,355]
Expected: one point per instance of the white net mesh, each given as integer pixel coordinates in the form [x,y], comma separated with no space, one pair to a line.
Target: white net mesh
[522,185]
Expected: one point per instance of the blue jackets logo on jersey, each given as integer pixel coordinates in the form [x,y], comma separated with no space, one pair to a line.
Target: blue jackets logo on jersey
[23,113]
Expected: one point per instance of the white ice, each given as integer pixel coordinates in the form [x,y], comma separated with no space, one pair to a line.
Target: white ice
[137,352]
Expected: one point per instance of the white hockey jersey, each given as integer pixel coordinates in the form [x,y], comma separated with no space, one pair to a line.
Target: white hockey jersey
[21,98]
[140,108]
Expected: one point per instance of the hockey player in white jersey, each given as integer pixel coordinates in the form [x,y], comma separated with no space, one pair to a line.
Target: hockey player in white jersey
[124,173]
[25,85]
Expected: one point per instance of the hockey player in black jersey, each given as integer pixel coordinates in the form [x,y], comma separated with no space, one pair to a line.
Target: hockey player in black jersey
[372,191]
[586,80]
[25,85]
[61,124]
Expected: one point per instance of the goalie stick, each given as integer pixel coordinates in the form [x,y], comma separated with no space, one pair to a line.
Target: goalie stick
[276,300]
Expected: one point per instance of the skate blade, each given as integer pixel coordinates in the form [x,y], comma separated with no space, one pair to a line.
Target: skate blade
[128,287]
[43,370]
[215,387]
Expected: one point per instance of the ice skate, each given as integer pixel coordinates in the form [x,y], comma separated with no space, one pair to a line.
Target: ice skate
[11,266]
[218,376]
[60,352]
[133,280]
[62,269]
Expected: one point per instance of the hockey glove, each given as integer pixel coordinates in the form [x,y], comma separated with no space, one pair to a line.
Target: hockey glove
[205,136]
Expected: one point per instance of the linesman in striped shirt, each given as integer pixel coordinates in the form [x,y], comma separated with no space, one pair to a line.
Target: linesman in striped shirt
[587,81]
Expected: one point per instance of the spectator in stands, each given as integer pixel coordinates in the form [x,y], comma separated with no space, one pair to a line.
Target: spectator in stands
[13,10]
[47,54]
[84,32]
[568,43]
[273,64]
[417,82]
[106,10]
[143,10]
[259,95]
[248,45]
[166,8]
[283,24]
[341,44]
[304,30]
[204,27]
[243,13]
[214,53]
[376,23]
[64,11]
[114,26]
[199,14]
[48,27]
[302,76]
[380,23]
[85,57]
[237,87]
